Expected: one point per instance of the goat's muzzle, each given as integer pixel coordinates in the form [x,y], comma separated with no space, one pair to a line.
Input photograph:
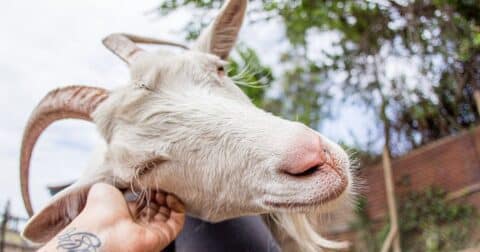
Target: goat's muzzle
[309,161]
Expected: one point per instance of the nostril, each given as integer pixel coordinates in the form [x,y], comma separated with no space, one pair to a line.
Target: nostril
[310,171]
[305,156]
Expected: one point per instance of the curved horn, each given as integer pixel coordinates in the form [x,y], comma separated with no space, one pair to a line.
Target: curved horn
[123,45]
[68,102]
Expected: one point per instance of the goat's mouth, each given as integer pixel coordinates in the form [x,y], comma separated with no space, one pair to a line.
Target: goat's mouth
[325,184]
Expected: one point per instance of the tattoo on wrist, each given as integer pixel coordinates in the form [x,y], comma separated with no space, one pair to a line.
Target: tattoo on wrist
[75,241]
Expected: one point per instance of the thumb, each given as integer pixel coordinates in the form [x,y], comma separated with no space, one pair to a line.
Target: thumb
[105,198]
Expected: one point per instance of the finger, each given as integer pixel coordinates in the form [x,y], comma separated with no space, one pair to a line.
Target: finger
[170,217]
[175,204]
[160,198]
[150,211]
[131,198]
[169,228]
[160,218]
[102,192]
[177,214]
[176,221]
[106,196]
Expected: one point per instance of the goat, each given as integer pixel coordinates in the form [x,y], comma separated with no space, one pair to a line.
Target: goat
[183,126]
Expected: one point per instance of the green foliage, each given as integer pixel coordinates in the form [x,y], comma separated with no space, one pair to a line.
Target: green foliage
[441,36]
[252,77]
[440,42]
[368,237]
[361,156]
[421,209]
[433,120]
[429,223]
[305,95]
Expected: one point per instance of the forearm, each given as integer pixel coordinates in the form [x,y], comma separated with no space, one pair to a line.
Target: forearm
[87,235]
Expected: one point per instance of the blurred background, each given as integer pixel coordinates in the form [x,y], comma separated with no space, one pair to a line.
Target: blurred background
[382,77]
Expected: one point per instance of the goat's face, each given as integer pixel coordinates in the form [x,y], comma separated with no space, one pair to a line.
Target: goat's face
[183,126]
[196,134]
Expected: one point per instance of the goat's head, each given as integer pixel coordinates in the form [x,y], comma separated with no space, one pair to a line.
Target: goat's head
[182,125]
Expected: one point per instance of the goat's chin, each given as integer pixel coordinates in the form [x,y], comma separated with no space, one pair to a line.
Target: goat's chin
[298,206]
[305,237]
[307,204]
[301,224]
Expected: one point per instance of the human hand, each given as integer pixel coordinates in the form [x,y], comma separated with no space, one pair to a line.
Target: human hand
[109,223]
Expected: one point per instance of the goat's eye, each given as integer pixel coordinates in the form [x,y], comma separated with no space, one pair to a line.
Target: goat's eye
[221,71]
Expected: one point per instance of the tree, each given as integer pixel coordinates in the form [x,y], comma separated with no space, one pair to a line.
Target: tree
[415,63]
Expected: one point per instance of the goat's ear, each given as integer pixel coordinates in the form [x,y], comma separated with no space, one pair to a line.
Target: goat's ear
[220,36]
[62,209]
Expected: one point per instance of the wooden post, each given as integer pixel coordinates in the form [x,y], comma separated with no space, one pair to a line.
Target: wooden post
[393,234]
[3,228]
[465,191]
[476,97]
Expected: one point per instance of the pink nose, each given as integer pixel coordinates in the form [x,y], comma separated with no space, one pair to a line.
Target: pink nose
[307,155]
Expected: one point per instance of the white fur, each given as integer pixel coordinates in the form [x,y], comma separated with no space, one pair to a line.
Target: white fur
[182,127]
[220,151]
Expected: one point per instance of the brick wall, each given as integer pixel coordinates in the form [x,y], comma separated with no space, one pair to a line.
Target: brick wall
[450,163]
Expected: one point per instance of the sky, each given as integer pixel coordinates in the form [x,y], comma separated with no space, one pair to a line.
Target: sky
[53,43]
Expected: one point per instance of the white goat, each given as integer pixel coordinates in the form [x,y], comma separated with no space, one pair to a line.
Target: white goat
[181,125]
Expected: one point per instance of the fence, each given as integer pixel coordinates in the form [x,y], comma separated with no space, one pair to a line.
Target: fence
[10,239]
[451,163]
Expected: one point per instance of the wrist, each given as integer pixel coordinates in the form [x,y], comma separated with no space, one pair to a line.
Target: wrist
[74,238]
